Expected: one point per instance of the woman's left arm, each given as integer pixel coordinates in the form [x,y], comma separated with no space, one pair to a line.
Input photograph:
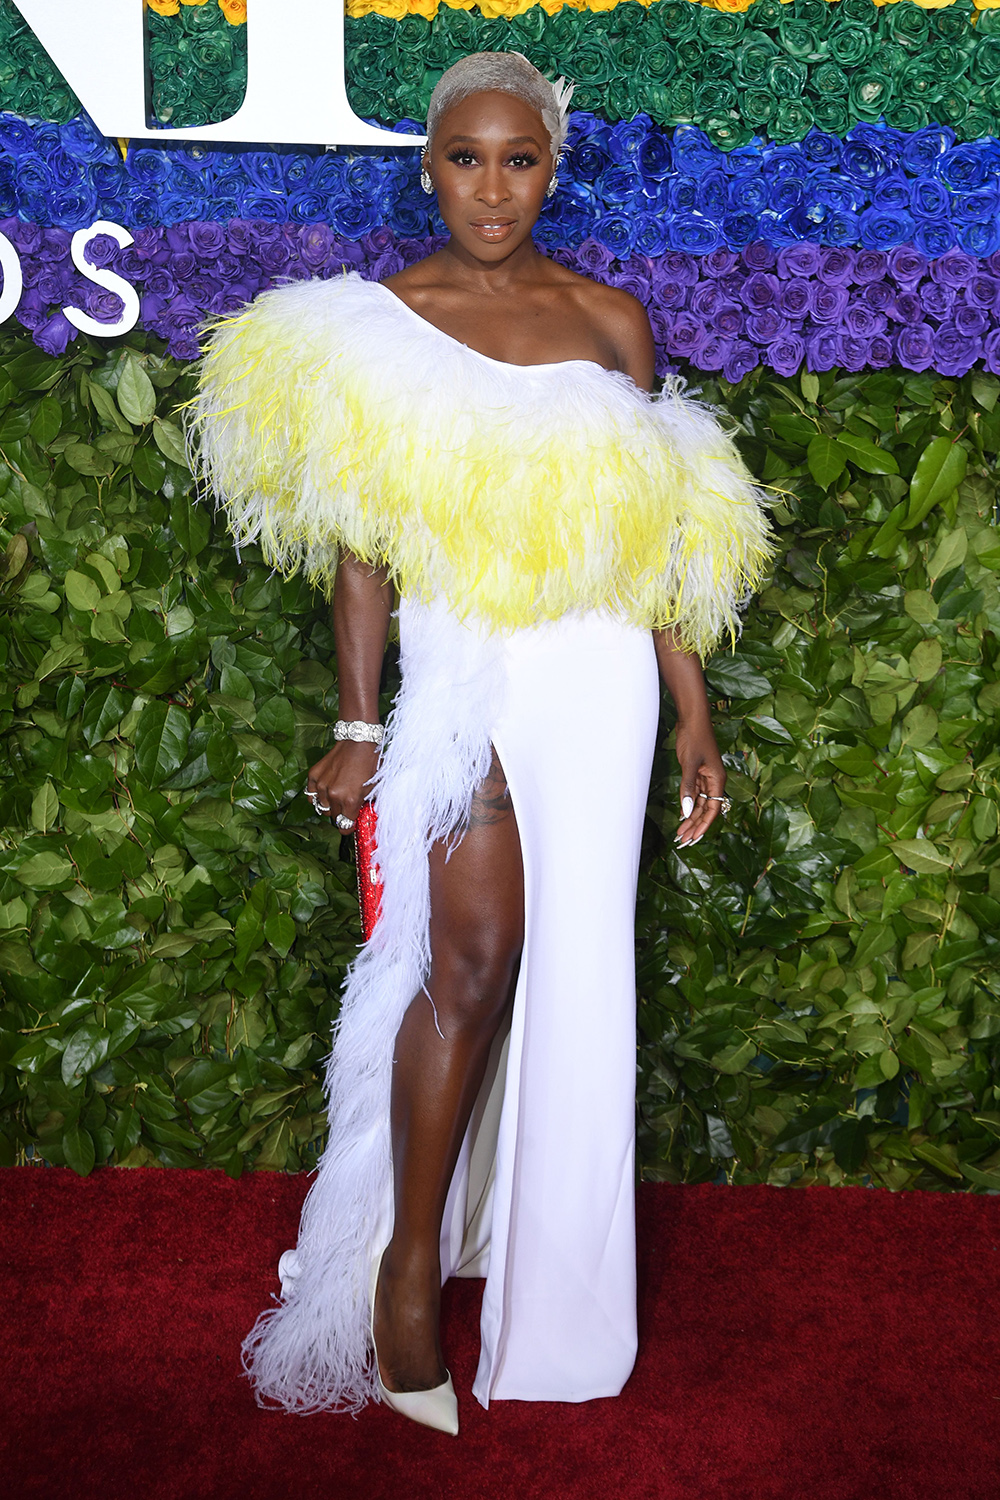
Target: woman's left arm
[703,776]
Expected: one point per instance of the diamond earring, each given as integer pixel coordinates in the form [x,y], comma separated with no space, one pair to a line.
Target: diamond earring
[425,181]
[554,179]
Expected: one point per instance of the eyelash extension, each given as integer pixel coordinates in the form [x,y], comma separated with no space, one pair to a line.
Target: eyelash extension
[528,159]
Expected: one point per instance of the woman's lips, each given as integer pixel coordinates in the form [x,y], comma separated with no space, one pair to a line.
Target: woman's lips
[492,229]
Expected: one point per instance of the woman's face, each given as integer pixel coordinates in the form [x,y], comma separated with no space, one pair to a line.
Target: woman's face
[491,161]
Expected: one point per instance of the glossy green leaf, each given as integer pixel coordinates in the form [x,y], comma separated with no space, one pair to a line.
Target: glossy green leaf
[161,740]
[826,458]
[940,470]
[866,455]
[135,394]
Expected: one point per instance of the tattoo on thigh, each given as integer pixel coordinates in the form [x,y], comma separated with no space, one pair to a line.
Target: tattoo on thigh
[491,799]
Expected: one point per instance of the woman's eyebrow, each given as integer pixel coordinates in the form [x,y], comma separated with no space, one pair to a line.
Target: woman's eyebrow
[513,140]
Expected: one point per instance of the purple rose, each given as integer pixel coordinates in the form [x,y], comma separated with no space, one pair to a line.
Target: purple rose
[53,286]
[389,263]
[742,359]
[685,335]
[207,240]
[786,354]
[706,298]
[205,292]
[954,351]
[829,304]
[660,322]
[273,258]
[863,321]
[759,291]
[970,321]
[54,334]
[836,266]
[869,265]
[728,319]
[758,256]
[953,269]
[937,300]
[593,257]
[798,260]
[633,282]
[983,291]
[669,293]
[101,304]
[907,264]
[879,295]
[822,350]
[796,297]
[881,352]
[183,345]
[714,352]
[991,352]
[732,285]
[853,351]
[719,262]
[993,262]
[764,327]
[414,250]
[678,266]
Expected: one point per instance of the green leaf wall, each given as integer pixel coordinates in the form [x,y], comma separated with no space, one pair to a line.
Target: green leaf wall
[819,985]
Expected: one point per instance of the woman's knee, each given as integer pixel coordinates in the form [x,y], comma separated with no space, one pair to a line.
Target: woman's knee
[470,982]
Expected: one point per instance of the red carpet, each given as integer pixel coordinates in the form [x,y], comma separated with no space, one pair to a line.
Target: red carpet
[796,1345]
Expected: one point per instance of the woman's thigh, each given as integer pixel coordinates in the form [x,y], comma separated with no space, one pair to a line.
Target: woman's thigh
[477,908]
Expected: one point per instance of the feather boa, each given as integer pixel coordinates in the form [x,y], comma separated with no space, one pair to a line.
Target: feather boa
[330,414]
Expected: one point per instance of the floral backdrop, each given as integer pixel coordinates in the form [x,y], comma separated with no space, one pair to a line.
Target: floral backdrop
[805,197]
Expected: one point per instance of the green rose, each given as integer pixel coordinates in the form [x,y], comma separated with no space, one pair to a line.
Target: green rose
[678,101]
[717,63]
[818,15]
[629,18]
[525,30]
[979,122]
[950,60]
[719,28]
[786,77]
[951,106]
[677,19]
[800,41]
[862,12]
[213,50]
[850,45]
[726,131]
[196,19]
[592,62]
[831,115]
[759,104]
[908,25]
[986,59]
[870,93]
[919,80]
[631,55]
[164,61]
[988,23]
[715,98]
[953,24]
[370,67]
[409,69]
[562,30]
[766,14]
[622,97]
[661,61]
[792,120]
[690,56]
[828,81]
[440,52]
[754,57]
[906,114]
[172,102]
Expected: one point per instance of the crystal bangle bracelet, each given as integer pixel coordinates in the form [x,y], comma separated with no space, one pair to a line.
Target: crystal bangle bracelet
[356,729]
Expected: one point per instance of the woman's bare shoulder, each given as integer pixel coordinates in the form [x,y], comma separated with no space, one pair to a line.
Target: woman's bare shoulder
[618,318]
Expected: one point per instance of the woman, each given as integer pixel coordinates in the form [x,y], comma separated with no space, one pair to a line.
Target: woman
[476,434]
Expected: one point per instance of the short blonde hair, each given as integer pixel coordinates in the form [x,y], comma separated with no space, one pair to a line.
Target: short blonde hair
[507,73]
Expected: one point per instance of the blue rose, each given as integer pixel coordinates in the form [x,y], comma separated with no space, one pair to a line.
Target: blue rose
[929,199]
[925,147]
[352,217]
[740,229]
[784,161]
[169,208]
[748,193]
[410,219]
[618,185]
[80,138]
[884,228]
[16,136]
[786,193]
[712,195]
[974,208]
[627,138]
[148,167]
[682,194]
[306,206]
[821,149]
[263,170]
[892,192]
[655,158]
[841,228]
[830,191]
[616,230]
[694,154]
[863,164]
[109,179]
[650,234]
[933,237]
[694,234]
[979,239]
[589,161]
[963,168]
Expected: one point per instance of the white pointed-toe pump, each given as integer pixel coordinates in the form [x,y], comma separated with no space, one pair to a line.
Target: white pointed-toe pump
[436,1408]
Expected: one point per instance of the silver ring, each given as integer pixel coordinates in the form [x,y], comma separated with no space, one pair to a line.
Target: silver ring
[319,807]
[727,803]
[345,824]
[311,795]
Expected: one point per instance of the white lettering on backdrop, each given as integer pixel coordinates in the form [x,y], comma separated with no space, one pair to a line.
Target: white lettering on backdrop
[295,95]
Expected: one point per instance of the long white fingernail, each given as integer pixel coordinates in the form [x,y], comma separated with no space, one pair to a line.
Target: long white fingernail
[687,806]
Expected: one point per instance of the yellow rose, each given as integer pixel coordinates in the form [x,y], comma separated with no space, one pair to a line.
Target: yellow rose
[165,7]
[426,8]
[192,2]
[235,11]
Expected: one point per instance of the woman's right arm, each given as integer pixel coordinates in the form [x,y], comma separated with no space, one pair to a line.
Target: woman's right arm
[362,604]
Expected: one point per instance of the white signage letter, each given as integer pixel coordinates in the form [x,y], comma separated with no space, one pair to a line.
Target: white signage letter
[13,281]
[296,94]
[107,279]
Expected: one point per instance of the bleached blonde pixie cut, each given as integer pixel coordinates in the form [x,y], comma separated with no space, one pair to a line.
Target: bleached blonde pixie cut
[507,73]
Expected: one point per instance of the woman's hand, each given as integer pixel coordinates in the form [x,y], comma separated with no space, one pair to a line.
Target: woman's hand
[703,778]
[336,784]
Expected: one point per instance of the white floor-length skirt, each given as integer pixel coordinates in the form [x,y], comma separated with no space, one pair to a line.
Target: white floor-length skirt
[542,1200]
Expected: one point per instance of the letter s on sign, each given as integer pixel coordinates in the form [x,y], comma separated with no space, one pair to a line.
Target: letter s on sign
[107,279]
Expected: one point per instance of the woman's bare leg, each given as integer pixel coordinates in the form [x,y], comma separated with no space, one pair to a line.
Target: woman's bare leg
[442,1047]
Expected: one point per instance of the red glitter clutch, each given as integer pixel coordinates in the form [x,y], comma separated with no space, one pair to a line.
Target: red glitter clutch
[369,881]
